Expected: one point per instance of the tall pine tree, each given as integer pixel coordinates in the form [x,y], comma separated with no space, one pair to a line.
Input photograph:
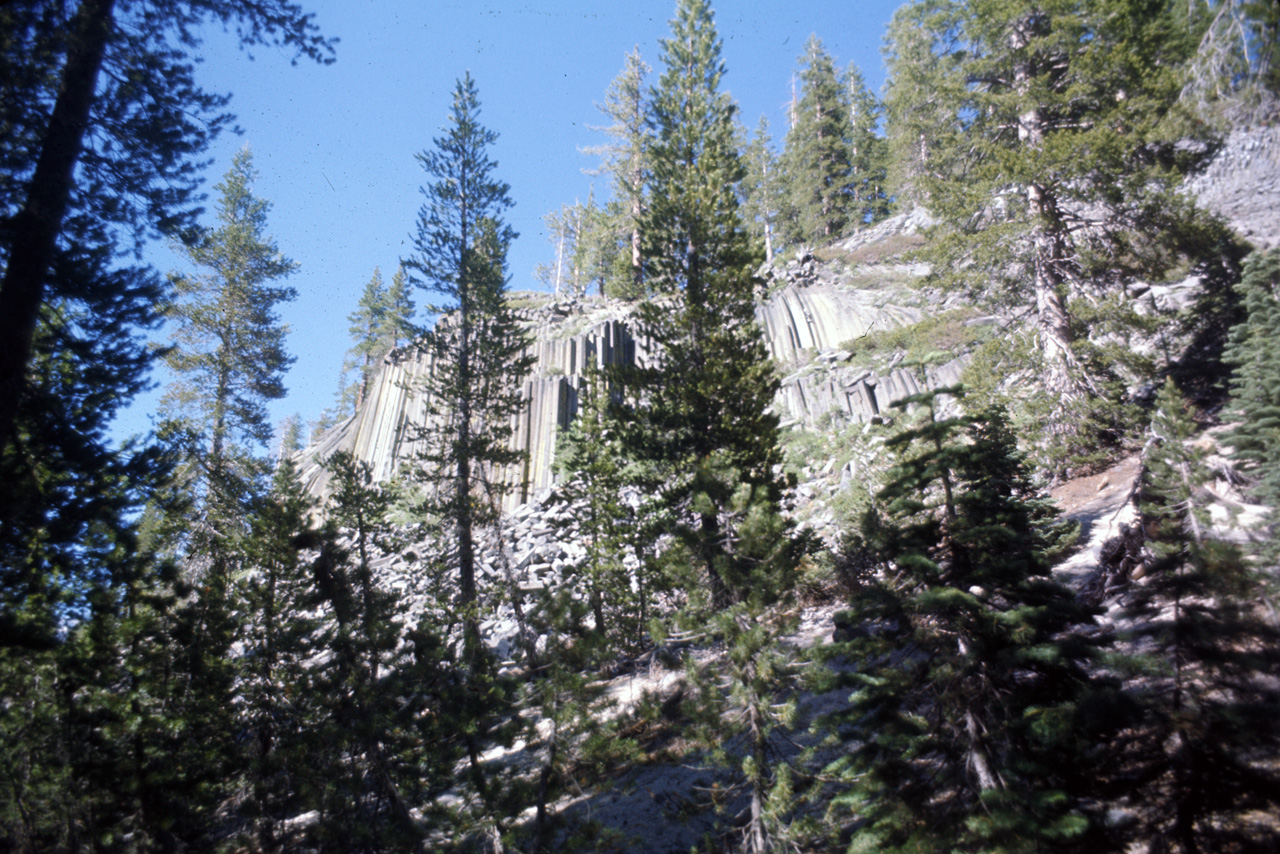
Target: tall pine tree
[818,155]
[477,343]
[703,409]
[1045,140]
[229,359]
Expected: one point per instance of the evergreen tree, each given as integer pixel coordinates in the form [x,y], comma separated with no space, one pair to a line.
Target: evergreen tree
[868,152]
[279,702]
[366,348]
[1049,154]
[373,716]
[228,356]
[624,159]
[291,440]
[971,698]
[1207,770]
[1254,352]
[228,359]
[818,154]
[762,189]
[382,321]
[701,414]
[592,460]
[703,410]
[583,246]
[920,93]
[478,346]
[103,125]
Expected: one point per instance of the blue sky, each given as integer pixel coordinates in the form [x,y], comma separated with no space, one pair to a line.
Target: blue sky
[335,145]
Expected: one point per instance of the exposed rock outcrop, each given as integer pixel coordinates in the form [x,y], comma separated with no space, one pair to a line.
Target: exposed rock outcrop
[1242,184]
[385,434]
[811,312]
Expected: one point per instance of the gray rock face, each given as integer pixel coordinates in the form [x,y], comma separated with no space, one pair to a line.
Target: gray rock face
[804,322]
[1242,184]
[810,311]
[384,433]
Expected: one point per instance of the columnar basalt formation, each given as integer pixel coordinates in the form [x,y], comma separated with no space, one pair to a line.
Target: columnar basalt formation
[805,321]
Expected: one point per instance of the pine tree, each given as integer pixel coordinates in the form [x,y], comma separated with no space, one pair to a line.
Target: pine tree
[1234,76]
[922,88]
[1206,773]
[366,347]
[1254,353]
[104,121]
[291,441]
[762,189]
[624,159]
[376,715]
[971,697]
[478,345]
[228,359]
[868,151]
[1051,160]
[818,155]
[703,411]
[279,704]
[382,321]
[592,461]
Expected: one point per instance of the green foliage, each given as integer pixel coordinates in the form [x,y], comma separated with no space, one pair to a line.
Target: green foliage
[948,331]
[382,321]
[595,468]
[1234,77]
[104,130]
[762,190]
[1203,758]
[478,345]
[279,700]
[625,159]
[1045,141]
[833,159]
[971,701]
[1253,351]
[702,413]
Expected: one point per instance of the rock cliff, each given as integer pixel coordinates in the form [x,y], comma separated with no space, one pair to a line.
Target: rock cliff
[810,310]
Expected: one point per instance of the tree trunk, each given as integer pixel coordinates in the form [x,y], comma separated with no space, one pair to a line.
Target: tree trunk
[35,229]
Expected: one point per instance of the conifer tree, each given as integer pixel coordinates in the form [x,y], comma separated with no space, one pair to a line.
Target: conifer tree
[279,703]
[703,411]
[229,355]
[477,343]
[1049,154]
[818,154]
[762,189]
[1254,352]
[593,464]
[1211,733]
[970,695]
[868,152]
[624,159]
[920,93]
[229,360]
[104,125]
[369,793]
[382,321]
